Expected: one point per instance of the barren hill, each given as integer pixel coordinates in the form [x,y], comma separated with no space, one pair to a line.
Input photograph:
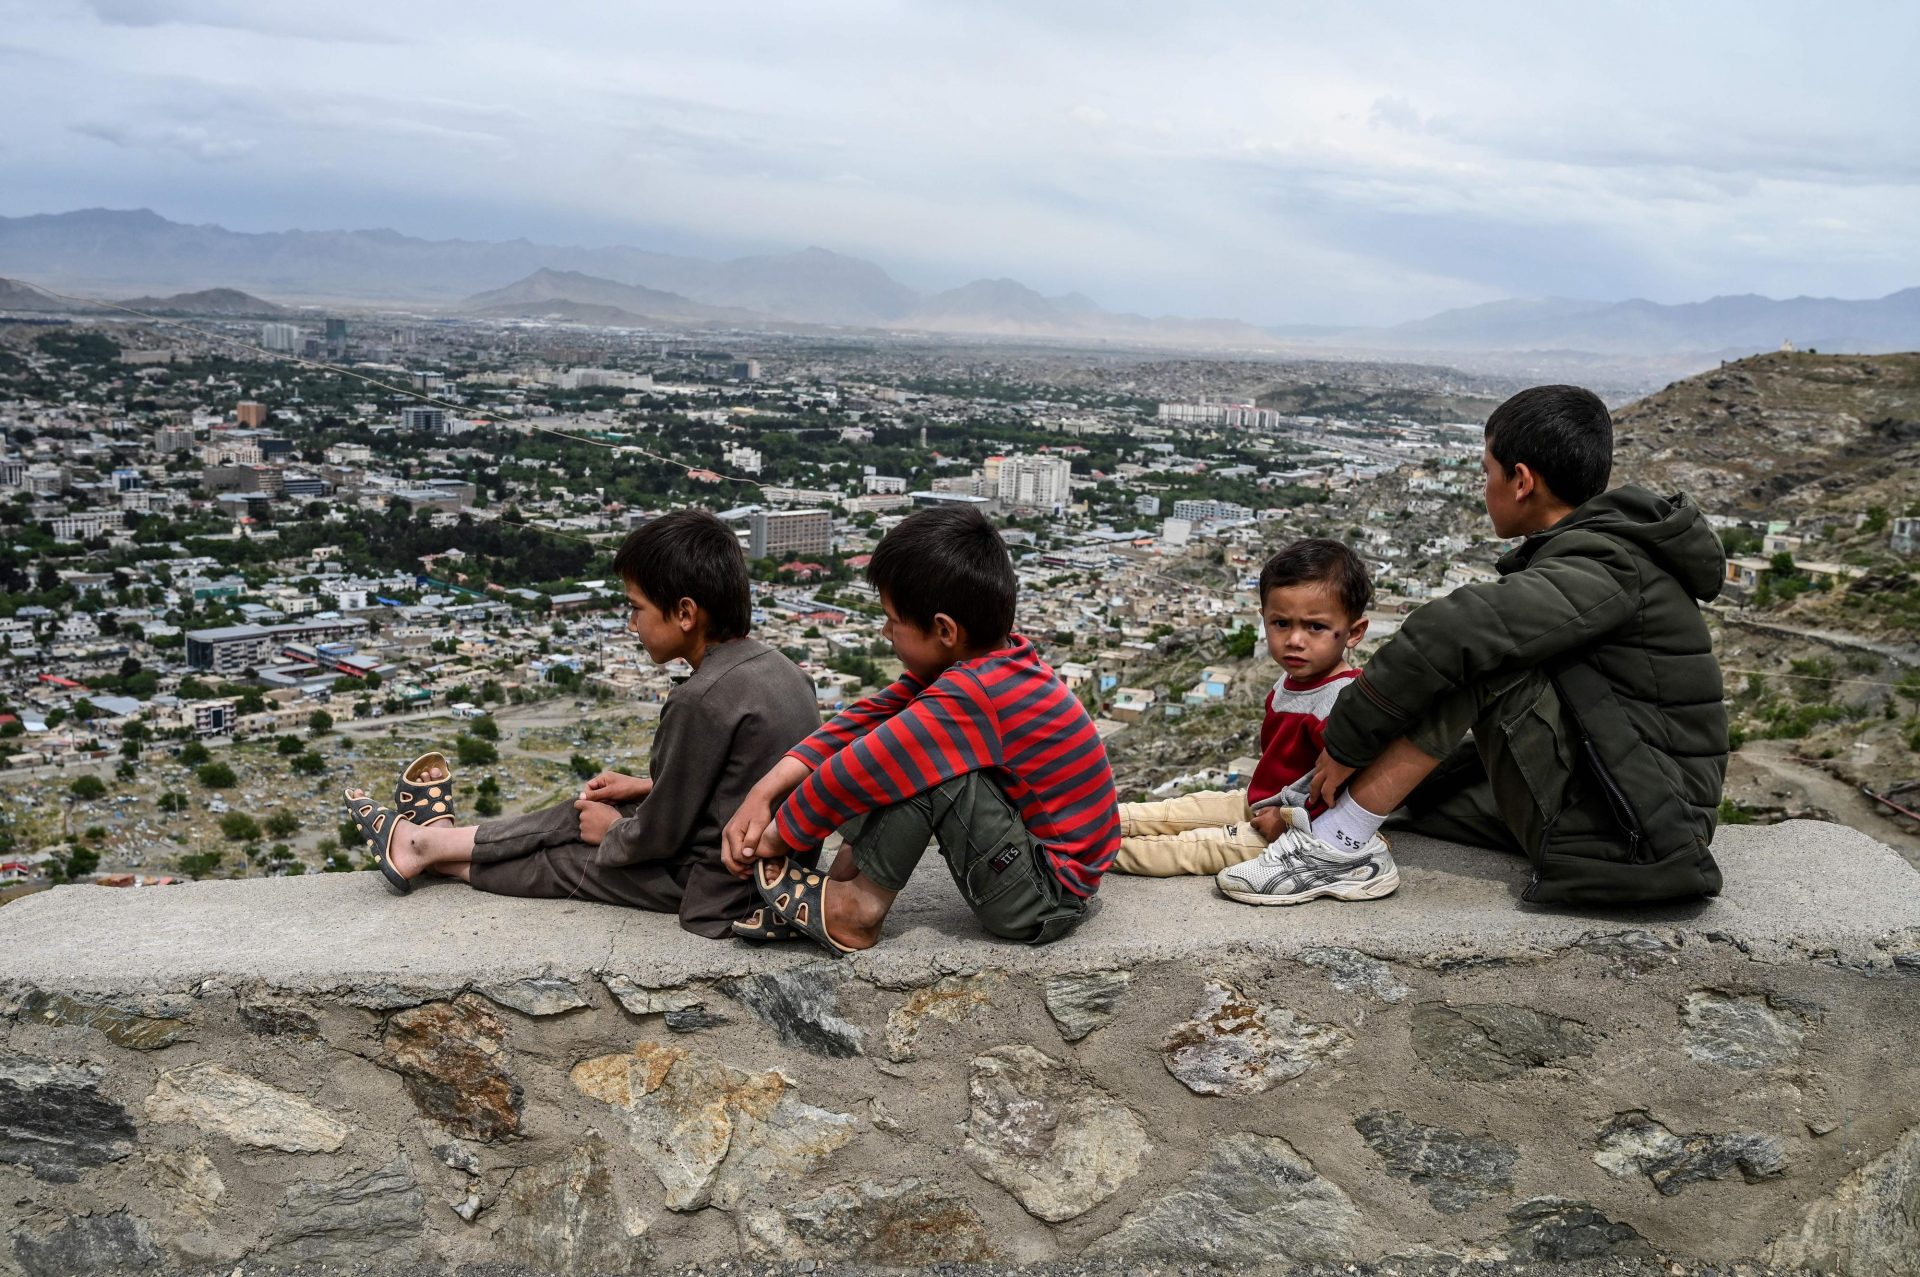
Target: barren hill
[208,301]
[1781,433]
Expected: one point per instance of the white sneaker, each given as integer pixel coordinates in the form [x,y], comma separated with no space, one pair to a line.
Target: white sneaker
[1297,867]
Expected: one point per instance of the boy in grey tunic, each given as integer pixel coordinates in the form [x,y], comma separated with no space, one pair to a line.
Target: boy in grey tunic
[654,842]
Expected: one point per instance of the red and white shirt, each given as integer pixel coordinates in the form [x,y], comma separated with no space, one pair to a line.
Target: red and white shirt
[1294,731]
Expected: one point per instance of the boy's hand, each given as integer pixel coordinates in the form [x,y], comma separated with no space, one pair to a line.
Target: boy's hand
[615,787]
[1329,778]
[740,840]
[595,819]
[1268,822]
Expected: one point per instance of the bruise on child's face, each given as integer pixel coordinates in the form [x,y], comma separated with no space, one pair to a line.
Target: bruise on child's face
[1306,627]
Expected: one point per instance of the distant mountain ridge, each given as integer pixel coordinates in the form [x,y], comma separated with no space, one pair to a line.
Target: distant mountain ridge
[108,252]
[1743,324]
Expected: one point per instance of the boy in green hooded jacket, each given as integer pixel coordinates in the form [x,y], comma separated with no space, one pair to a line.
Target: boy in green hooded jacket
[1585,675]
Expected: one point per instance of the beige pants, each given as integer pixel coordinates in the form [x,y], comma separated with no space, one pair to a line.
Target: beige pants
[1199,833]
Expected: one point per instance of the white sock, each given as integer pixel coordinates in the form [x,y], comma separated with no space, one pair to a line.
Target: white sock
[1346,825]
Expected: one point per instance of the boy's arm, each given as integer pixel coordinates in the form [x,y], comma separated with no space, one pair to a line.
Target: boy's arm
[690,752]
[1556,605]
[948,729]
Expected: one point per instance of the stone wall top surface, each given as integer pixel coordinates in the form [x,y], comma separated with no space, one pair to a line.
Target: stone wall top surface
[1798,889]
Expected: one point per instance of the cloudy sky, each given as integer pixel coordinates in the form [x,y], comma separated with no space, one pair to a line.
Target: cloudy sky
[1285,163]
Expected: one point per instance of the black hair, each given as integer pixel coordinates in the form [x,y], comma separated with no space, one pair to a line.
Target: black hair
[1561,433]
[948,559]
[690,554]
[1321,561]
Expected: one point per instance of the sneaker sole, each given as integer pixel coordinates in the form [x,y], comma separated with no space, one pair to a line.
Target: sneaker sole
[1372,889]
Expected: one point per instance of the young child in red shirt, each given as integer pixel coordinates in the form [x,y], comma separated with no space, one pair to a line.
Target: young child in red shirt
[1313,601]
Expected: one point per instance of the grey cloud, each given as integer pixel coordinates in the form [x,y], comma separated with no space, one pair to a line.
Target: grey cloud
[188,139]
[292,21]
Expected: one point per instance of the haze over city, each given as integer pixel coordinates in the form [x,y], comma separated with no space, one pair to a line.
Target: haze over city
[1282,165]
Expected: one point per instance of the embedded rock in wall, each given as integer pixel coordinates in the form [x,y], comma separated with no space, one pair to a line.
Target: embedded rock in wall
[222,1101]
[1351,971]
[1253,1201]
[1234,1046]
[802,1007]
[185,1179]
[55,1122]
[1079,1004]
[112,1243]
[1457,1170]
[570,1216]
[453,1058]
[1869,1226]
[709,1132]
[361,1217]
[946,1001]
[1561,1231]
[1047,1135]
[538,995]
[1486,1042]
[1637,1144]
[121,1026]
[906,1223]
[1742,1030]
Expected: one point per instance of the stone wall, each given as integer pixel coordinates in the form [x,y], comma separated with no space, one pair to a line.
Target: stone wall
[307,1071]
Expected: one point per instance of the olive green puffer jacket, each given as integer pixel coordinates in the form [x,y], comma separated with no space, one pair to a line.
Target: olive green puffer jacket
[1607,602]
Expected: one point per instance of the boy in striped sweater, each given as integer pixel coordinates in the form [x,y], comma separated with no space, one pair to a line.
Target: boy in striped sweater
[978,747]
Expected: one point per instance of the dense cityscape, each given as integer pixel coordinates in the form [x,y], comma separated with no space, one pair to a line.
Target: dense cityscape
[245,560]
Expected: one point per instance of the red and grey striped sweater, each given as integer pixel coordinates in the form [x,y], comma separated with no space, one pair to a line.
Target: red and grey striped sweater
[1006,713]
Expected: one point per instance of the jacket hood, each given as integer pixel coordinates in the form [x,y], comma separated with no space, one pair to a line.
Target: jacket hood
[1671,530]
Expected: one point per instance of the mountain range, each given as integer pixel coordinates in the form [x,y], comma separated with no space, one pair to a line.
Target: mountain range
[105,252]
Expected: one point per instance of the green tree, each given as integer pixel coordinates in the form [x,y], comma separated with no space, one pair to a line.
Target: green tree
[87,787]
[82,862]
[485,728]
[129,749]
[309,764]
[173,802]
[288,746]
[199,864]
[282,824]
[193,753]
[319,723]
[1241,641]
[237,826]
[474,752]
[216,776]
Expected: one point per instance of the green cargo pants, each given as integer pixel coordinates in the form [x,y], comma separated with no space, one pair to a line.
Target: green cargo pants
[1003,873]
[1505,788]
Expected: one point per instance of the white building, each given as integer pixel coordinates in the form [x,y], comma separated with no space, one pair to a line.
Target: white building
[741,458]
[1196,510]
[1035,482]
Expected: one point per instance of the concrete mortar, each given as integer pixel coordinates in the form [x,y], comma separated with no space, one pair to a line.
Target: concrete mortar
[291,982]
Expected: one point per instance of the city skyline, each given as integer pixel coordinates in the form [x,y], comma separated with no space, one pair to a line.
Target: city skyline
[1281,167]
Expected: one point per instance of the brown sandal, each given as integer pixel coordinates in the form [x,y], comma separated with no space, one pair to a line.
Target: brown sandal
[376,826]
[764,925]
[426,802]
[799,895]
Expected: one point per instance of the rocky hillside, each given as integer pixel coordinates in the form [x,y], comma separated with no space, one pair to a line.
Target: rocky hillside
[1785,435]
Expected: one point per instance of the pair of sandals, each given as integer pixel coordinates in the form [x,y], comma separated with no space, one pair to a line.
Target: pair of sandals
[795,899]
[416,799]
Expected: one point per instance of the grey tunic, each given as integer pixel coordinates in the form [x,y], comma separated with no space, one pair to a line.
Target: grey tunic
[719,733]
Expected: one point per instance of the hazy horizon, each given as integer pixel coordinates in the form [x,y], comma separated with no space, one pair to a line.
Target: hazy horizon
[1283,166]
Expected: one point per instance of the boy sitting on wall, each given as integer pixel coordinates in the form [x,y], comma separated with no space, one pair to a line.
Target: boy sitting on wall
[979,746]
[1585,674]
[653,842]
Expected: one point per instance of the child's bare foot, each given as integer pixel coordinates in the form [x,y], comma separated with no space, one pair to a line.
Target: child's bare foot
[852,916]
